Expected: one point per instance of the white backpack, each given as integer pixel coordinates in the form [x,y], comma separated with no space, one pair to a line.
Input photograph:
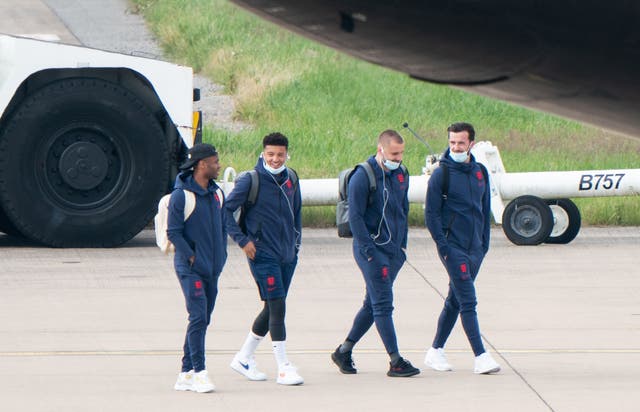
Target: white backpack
[160,220]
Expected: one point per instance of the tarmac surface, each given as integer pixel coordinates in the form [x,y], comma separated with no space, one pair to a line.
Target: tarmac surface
[102,329]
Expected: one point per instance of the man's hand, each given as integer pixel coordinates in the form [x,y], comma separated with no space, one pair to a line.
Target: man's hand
[250,250]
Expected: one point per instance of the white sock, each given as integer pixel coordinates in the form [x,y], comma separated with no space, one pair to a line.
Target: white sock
[250,345]
[280,350]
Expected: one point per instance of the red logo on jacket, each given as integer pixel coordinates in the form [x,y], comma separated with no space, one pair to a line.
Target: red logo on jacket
[479,174]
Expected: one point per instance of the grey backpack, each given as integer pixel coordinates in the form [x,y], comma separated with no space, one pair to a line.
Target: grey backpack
[342,208]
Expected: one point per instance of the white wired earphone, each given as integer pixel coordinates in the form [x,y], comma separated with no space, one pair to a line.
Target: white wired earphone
[385,200]
[293,216]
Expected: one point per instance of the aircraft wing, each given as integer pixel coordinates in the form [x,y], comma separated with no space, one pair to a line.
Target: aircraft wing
[576,59]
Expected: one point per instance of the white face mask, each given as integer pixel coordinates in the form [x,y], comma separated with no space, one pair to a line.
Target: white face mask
[459,157]
[272,170]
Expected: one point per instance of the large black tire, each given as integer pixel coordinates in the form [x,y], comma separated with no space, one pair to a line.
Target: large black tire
[83,163]
[527,220]
[566,221]
[7,227]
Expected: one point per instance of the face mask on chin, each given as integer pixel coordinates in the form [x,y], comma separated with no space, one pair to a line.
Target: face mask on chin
[459,157]
[390,164]
[272,170]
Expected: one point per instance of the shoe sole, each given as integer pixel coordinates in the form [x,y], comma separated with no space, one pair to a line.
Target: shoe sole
[403,375]
[435,368]
[183,388]
[204,390]
[494,370]
[290,383]
[345,371]
[241,371]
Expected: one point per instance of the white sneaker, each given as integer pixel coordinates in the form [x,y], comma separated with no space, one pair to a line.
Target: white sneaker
[288,375]
[484,364]
[184,381]
[247,368]
[436,360]
[202,383]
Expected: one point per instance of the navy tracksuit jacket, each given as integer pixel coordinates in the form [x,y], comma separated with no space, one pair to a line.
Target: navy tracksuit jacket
[204,236]
[460,226]
[275,226]
[380,231]
[462,221]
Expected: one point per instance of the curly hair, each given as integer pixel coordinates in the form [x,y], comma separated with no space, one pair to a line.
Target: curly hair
[275,139]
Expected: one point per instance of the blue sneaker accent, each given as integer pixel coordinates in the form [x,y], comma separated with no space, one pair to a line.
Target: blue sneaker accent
[248,369]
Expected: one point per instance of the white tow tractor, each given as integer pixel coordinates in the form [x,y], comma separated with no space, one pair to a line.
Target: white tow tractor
[89,140]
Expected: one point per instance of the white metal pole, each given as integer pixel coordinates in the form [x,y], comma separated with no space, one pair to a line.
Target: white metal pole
[546,185]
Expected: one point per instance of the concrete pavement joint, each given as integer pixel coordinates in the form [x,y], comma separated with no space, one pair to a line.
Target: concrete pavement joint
[26,354]
[499,353]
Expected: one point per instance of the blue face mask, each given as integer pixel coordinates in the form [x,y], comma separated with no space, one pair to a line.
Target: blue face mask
[272,170]
[391,165]
[459,157]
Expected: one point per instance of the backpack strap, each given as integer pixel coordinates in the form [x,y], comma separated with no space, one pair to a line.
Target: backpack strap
[253,189]
[293,176]
[370,175]
[445,181]
[189,203]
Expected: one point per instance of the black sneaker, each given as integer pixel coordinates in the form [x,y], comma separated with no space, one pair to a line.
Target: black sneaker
[344,361]
[402,369]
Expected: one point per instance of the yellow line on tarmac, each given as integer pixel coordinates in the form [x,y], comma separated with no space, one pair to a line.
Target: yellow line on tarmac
[27,354]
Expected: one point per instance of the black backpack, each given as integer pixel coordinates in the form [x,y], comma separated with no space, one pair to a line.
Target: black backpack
[342,208]
[253,193]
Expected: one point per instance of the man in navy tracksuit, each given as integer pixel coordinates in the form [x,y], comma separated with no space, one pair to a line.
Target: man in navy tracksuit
[271,240]
[201,252]
[378,221]
[460,226]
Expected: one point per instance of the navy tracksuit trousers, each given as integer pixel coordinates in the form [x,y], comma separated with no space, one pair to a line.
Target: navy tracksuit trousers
[200,297]
[462,268]
[379,275]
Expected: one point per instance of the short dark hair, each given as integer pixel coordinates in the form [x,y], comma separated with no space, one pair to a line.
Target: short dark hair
[463,127]
[389,135]
[275,139]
